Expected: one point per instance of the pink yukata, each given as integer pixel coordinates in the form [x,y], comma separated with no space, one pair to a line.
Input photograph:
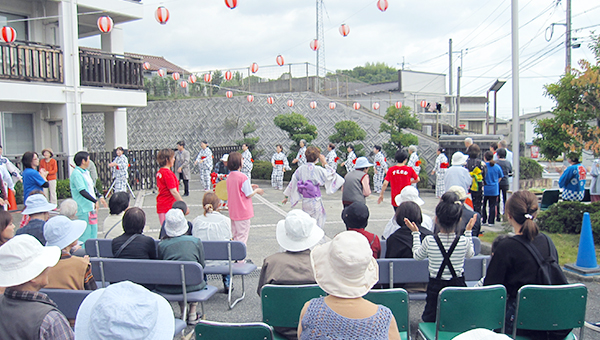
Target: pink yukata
[240,205]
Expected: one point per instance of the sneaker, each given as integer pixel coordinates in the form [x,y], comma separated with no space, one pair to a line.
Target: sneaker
[484,224]
[593,326]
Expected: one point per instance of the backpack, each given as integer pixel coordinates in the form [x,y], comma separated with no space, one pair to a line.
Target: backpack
[549,272]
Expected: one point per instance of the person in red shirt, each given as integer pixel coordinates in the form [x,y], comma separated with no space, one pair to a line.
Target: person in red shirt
[398,177]
[356,218]
[51,166]
[167,183]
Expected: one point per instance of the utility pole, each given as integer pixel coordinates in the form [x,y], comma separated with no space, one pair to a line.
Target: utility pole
[515,92]
[321,50]
[458,97]
[451,106]
[568,41]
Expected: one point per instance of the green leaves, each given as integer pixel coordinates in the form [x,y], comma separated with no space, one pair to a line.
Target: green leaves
[297,127]
[398,119]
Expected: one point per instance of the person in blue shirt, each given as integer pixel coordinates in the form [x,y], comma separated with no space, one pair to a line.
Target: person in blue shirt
[491,188]
[572,180]
[32,179]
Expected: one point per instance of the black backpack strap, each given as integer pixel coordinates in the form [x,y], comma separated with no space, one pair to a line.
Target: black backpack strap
[535,253]
[129,240]
[446,255]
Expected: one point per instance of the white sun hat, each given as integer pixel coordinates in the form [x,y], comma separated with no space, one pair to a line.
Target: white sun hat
[459,158]
[23,258]
[409,194]
[298,231]
[362,162]
[345,267]
[36,204]
[175,223]
[61,231]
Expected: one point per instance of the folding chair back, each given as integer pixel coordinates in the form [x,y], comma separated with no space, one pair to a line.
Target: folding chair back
[99,247]
[218,250]
[241,331]
[67,300]
[396,300]
[281,305]
[550,308]
[549,197]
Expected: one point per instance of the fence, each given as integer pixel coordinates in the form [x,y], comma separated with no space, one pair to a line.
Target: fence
[31,61]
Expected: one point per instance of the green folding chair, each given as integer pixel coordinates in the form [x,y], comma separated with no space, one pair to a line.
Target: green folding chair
[462,309]
[396,299]
[282,304]
[549,308]
[549,197]
[239,331]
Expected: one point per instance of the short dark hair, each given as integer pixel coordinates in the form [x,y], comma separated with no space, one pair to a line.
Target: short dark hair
[331,145]
[410,210]
[279,146]
[501,153]
[401,156]
[474,151]
[164,156]
[80,157]
[182,143]
[351,147]
[118,202]
[181,205]
[235,161]
[378,147]
[494,146]
[205,142]
[27,159]
[5,220]
[312,153]
[246,144]
[134,221]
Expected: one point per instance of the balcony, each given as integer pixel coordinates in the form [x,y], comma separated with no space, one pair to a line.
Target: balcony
[29,61]
[110,70]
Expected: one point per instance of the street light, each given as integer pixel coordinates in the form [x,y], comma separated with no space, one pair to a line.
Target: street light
[495,87]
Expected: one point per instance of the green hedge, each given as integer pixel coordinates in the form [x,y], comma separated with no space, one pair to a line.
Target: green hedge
[530,169]
[566,217]
[63,189]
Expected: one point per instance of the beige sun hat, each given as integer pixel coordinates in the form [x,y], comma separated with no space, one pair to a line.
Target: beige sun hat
[298,231]
[345,267]
[459,191]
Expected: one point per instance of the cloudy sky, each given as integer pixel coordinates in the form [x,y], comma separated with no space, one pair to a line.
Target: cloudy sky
[204,35]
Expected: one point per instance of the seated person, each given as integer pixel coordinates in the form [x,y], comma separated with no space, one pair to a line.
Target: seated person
[296,234]
[125,310]
[25,312]
[186,211]
[117,204]
[7,228]
[356,218]
[177,246]
[68,208]
[71,272]
[408,194]
[467,212]
[212,226]
[400,243]
[38,209]
[132,244]
[346,270]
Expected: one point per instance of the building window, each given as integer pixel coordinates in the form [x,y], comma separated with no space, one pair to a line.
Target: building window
[19,26]
[17,133]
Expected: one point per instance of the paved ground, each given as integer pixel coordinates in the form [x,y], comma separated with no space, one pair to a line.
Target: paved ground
[262,243]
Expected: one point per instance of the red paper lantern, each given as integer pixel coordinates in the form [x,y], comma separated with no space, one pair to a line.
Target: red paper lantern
[290,102]
[332,105]
[146,65]
[270,100]
[344,30]
[356,106]
[250,98]
[313,104]
[375,106]
[279,60]
[192,78]
[162,15]
[423,103]
[314,44]
[8,34]
[175,76]
[105,24]
[229,94]
[207,78]
[382,5]
[398,105]
[254,67]
[231,3]
[161,72]
[228,75]
[183,84]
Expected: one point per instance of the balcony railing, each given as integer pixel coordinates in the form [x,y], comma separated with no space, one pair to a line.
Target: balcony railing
[31,62]
[111,70]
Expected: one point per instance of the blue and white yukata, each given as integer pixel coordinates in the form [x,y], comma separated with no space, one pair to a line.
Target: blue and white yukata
[305,184]
[350,162]
[301,157]
[205,167]
[441,164]
[120,173]
[247,164]
[381,167]
[280,162]
[572,181]
[332,159]
[412,162]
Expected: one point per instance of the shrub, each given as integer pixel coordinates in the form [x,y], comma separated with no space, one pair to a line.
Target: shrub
[63,189]
[566,217]
[530,169]
[19,192]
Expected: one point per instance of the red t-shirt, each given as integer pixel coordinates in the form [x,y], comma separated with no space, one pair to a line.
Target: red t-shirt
[373,241]
[165,181]
[399,177]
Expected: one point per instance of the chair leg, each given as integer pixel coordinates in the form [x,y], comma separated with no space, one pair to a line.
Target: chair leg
[240,298]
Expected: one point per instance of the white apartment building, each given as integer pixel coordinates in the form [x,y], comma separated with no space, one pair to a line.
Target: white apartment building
[47,82]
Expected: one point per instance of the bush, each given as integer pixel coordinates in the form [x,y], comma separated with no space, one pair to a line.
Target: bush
[566,217]
[530,169]
[19,192]
[263,170]
[63,189]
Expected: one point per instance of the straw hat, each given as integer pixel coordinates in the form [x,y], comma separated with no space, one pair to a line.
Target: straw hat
[23,258]
[345,267]
[298,231]
[49,150]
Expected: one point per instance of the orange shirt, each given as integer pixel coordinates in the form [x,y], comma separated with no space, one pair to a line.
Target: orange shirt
[51,167]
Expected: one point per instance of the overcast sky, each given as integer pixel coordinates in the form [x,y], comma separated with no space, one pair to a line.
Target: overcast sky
[204,35]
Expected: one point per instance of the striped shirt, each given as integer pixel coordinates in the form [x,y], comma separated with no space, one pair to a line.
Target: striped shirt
[430,250]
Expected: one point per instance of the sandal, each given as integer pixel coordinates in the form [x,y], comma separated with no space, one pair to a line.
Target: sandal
[193,319]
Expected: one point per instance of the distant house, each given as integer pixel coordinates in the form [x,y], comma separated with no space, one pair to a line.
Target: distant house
[527,124]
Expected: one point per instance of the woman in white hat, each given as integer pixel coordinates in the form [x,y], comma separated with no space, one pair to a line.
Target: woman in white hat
[356,183]
[346,270]
[457,174]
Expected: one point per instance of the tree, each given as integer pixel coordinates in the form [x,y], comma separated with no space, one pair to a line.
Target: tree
[372,73]
[297,127]
[398,119]
[249,128]
[347,132]
[216,81]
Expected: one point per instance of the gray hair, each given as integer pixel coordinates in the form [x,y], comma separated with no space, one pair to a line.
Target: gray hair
[68,208]
[469,140]
[303,141]
[503,144]
[412,148]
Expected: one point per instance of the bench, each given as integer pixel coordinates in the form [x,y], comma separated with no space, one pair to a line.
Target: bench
[156,272]
[476,246]
[400,271]
[213,251]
